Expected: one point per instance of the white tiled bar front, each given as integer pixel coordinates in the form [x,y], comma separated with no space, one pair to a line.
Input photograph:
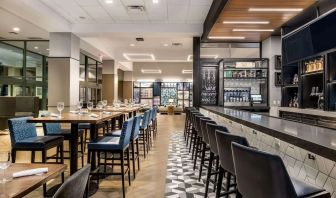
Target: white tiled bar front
[299,162]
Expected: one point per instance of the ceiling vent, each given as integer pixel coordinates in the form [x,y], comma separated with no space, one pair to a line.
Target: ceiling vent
[177,44]
[139,39]
[136,9]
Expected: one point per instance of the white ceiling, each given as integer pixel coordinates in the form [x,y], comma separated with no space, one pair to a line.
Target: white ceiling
[98,11]
[109,27]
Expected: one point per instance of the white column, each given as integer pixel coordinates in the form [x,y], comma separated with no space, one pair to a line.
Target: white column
[63,69]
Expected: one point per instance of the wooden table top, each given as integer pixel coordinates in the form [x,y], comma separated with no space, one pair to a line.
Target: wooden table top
[76,118]
[119,109]
[20,187]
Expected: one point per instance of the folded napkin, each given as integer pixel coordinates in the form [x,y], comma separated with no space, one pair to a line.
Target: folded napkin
[106,112]
[54,115]
[75,112]
[94,115]
[30,172]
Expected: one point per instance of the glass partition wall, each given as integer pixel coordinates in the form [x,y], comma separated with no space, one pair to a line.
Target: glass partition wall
[90,77]
[23,69]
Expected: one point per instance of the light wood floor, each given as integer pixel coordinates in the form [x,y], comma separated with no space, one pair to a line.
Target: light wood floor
[150,180]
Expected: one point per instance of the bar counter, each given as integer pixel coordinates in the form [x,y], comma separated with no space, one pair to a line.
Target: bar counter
[308,152]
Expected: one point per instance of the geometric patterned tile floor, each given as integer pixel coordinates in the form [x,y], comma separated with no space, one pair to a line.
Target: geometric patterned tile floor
[182,180]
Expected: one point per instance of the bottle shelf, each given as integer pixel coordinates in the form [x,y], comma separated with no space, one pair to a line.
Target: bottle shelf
[313,73]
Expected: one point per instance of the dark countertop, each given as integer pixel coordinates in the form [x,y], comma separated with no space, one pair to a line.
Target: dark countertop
[319,140]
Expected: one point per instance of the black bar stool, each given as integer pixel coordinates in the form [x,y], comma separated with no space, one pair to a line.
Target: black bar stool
[211,130]
[193,135]
[197,137]
[263,175]
[224,141]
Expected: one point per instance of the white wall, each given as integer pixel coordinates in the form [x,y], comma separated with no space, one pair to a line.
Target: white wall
[170,71]
[270,48]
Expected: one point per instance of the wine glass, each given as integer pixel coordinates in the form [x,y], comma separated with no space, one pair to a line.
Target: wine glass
[100,105]
[90,106]
[104,102]
[60,107]
[80,106]
[4,164]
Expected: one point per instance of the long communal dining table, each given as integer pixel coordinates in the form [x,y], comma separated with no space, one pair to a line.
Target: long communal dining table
[74,120]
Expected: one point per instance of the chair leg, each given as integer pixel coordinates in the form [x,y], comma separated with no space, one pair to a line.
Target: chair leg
[216,168]
[82,149]
[133,157]
[85,138]
[138,157]
[61,150]
[220,180]
[228,183]
[195,151]
[128,166]
[202,161]
[44,159]
[144,144]
[32,157]
[13,155]
[207,182]
[123,172]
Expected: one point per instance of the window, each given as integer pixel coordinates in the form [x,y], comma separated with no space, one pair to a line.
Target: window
[11,59]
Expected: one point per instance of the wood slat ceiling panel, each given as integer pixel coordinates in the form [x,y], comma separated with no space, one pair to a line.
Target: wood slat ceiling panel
[237,10]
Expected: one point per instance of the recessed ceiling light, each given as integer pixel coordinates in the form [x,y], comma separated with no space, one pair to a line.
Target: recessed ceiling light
[36,47]
[151,71]
[252,30]
[246,22]
[275,9]
[48,49]
[165,45]
[186,71]
[155,1]
[139,57]
[227,37]
[132,45]
[214,56]
[16,29]
[109,1]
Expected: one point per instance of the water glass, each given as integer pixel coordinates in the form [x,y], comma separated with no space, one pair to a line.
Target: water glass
[100,105]
[4,164]
[60,107]
[90,106]
[80,106]
[104,102]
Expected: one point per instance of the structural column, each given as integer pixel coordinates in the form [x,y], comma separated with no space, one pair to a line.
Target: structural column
[110,81]
[128,85]
[197,86]
[63,69]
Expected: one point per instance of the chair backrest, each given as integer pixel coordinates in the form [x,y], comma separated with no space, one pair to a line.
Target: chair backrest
[51,128]
[150,115]
[136,126]
[126,132]
[145,119]
[155,112]
[224,141]
[193,119]
[261,175]
[75,185]
[203,130]
[211,129]
[20,129]
[198,124]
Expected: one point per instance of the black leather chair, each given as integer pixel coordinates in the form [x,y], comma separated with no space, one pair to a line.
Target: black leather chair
[75,185]
[263,175]
[211,130]
[224,141]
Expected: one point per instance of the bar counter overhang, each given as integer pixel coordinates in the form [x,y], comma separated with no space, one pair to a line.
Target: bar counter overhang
[308,152]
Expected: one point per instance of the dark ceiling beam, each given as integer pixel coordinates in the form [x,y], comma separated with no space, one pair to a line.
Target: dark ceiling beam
[213,14]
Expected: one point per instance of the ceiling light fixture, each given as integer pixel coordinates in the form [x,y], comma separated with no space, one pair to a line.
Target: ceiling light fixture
[109,1]
[187,71]
[165,45]
[132,45]
[252,30]
[36,47]
[214,56]
[275,9]
[155,1]
[48,49]
[246,22]
[227,37]
[16,29]
[139,57]
[145,80]
[151,71]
